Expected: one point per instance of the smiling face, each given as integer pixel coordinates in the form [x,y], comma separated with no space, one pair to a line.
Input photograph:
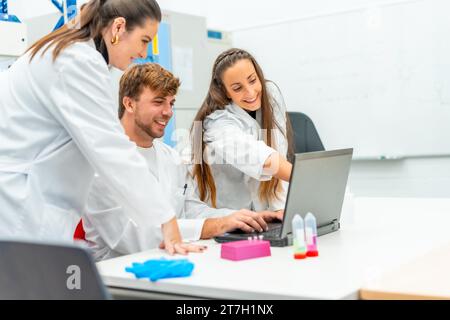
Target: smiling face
[132,44]
[153,112]
[243,85]
[147,95]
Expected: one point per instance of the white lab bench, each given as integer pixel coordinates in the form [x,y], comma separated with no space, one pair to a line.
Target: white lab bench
[379,235]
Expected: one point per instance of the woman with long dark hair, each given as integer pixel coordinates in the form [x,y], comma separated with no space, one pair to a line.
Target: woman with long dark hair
[241,137]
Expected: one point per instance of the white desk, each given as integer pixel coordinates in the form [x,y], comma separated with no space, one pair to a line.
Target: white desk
[382,234]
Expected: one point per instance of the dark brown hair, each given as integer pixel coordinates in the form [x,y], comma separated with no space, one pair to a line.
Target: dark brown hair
[93,18]
[217,99]
[148,75]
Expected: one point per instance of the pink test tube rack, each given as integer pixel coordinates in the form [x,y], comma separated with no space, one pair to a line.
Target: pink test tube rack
[246,249]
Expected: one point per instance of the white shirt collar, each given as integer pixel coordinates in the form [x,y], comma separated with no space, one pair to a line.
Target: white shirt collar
[234,108]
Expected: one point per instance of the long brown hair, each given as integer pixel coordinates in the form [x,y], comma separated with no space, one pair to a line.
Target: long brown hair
[217,99]
[94,17]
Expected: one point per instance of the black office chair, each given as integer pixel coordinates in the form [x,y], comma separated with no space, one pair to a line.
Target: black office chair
[306,138]
[31,271]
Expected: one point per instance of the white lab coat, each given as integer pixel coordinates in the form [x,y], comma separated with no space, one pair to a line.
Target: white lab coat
[234,139]
[111,233]
[59,125]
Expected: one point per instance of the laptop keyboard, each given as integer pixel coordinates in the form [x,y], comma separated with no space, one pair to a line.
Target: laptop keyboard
[274,231]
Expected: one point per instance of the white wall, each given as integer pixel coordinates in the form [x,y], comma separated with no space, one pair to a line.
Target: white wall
[417,177]
[225,15]
[238,14]
[426,177]
[411,177]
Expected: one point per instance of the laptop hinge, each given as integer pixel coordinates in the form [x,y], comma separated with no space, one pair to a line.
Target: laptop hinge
[334,225]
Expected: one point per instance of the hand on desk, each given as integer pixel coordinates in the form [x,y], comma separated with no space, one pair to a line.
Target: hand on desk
[173,243]
[181,247]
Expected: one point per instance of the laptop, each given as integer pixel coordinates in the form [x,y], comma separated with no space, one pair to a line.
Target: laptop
[40,271]
[317,185]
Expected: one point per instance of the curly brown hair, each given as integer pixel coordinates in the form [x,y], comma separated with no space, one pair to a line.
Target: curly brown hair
[148,75]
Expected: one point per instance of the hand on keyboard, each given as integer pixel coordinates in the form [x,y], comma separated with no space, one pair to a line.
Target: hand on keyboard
[272,216]
[245,220]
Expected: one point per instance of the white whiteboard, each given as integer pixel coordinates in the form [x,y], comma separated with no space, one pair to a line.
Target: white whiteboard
[374,78]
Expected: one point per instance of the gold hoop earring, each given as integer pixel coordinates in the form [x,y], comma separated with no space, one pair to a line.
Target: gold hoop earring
[115,40]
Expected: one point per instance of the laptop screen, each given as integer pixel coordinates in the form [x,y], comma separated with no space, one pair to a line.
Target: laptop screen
[317,185]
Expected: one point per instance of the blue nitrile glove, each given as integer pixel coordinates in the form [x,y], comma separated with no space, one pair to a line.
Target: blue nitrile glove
[162,269]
